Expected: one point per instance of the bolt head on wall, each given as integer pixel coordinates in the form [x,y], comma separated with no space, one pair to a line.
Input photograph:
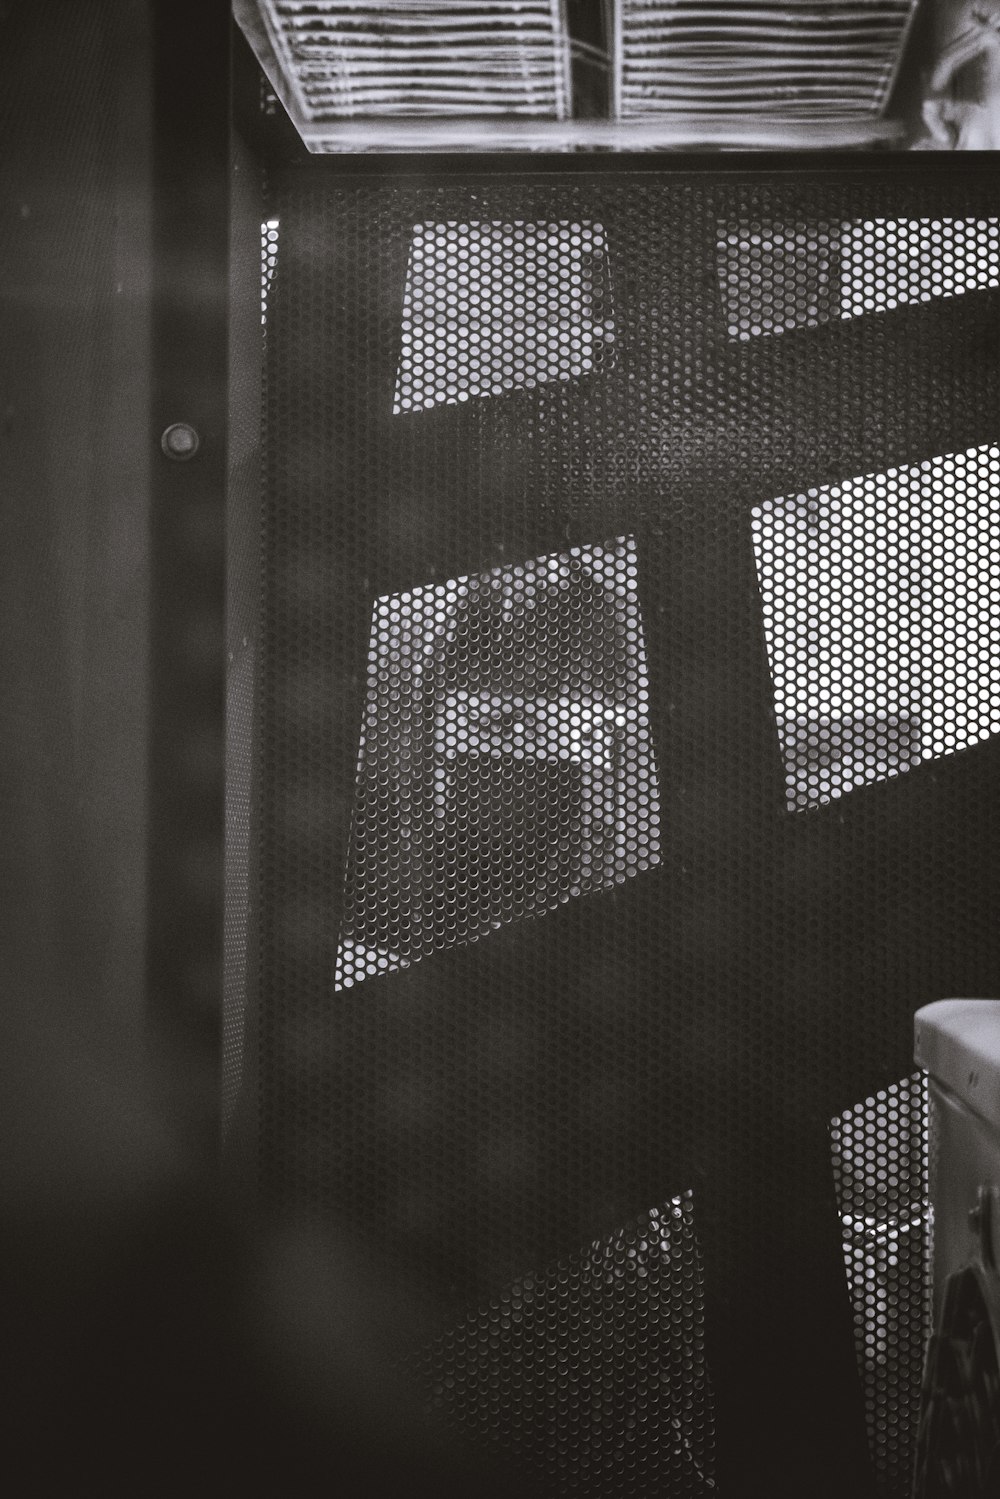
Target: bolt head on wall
[180,441]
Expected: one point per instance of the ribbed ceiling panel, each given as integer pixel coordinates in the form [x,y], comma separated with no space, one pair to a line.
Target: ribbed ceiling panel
[350,58]
[795,58]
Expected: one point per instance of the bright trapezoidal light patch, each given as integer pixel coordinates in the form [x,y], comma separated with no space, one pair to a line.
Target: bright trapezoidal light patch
[775,277]
[506,762]
[495,307]
[881,601]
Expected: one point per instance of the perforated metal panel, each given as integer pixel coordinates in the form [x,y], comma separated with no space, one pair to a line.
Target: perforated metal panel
[880,1151]
[506,764]
[492,307]
[780,276]
[249,269]
[593,1371]
[881,605]
[543,705]
[268,262]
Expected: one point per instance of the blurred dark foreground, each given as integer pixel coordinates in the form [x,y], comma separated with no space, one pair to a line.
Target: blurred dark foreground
[156,1339]
[159,1342]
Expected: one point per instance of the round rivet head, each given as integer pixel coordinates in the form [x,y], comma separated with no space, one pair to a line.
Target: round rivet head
[180,440]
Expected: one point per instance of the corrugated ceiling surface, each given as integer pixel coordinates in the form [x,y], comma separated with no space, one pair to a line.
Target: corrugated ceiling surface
[794,58]
[347,58]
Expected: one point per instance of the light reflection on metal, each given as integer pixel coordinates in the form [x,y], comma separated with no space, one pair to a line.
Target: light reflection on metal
[268,262]
[676,132]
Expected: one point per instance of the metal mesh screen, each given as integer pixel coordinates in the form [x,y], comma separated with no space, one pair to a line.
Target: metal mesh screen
[506,763]
[518,649]
[493,307]
[268,262]
[881,604]
[888,262]
[780,276]
[249,269]
[593,1371]
[881,1170]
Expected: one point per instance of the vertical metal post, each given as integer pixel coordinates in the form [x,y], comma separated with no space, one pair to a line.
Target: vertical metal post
[188,439]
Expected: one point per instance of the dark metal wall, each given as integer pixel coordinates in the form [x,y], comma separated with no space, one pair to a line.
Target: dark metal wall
[116,299]
[75,475]
[493,1109]
[108,782]
[190,366]
[75,288]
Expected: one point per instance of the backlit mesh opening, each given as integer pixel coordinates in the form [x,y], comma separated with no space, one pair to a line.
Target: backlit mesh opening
[593,1372]
[775,277]
[506,763]
[494,307]
[881,600]
[268,262]
[880,1168]
[886,263]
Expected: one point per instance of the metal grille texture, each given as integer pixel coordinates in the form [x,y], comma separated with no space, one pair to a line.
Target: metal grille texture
[341,58]
[496,307]
[506,763]
[593,1371]
[880,1157]
[268,262]
[249,272]
[881,604]
[792,58]
[780,276]
[555,652]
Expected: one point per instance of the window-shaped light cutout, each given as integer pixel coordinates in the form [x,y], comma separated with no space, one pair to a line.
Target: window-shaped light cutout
[886,263]
[495,307]
[881,600]
[506,762]
[779,276]
[776,276]
[880,1164]
[633,1305]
